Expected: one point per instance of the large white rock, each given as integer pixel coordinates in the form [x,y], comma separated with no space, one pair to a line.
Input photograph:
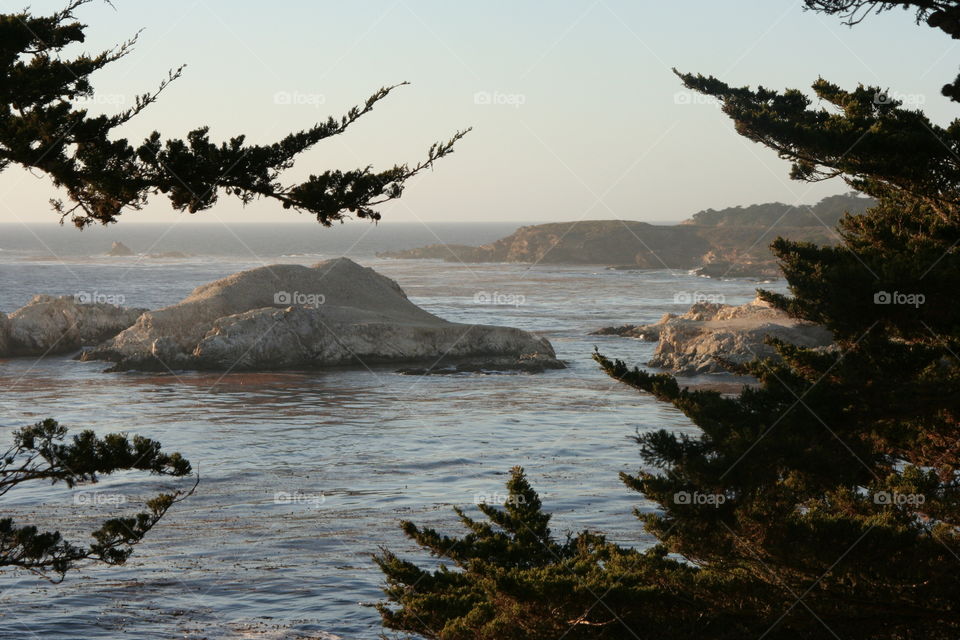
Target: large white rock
[695,342]
[291,316]
[50,325]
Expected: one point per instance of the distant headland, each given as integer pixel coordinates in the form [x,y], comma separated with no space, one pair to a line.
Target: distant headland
[731,242]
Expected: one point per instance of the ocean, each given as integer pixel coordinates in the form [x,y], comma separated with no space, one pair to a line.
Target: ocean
[305,474]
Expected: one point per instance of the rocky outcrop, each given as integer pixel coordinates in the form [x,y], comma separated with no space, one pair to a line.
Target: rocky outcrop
[718,251]
[730,243]
[291,316]
[714,265]
[756,270]
[650,332]
[118,249]
[50,325]
[694,343]
[600,242]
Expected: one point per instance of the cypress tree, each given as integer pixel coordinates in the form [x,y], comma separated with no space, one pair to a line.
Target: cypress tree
[43,453]
[821,503]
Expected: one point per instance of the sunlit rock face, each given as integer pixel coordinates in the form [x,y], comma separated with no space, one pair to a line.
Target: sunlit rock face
[50,325]
[697,341]
[291,316]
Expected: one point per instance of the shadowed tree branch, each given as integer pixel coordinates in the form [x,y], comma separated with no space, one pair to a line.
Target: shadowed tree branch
[44,126]
[42,453]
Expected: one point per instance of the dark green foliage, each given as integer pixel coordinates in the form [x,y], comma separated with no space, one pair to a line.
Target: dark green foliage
[509,579]
[825,502]
[42,127]
[41,453]
[840,471]
[505,571]
[827,212]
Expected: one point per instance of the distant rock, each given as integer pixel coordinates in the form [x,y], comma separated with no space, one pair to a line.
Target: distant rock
[715,266]
[692,343]
[118,249]
[50,325]
[649,332]
[291,316]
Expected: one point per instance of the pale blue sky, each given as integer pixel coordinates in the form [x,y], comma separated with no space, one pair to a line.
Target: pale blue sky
[599,134]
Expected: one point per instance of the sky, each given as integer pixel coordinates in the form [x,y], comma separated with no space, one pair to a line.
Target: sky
[575,111]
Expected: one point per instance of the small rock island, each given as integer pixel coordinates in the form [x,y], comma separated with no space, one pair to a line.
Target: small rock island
[120,250]
[334,313]
[695,342]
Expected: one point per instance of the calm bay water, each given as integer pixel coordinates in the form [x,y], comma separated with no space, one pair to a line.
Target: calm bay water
[362,449]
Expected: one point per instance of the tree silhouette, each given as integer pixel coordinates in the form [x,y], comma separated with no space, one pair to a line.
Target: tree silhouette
[42,453]
[43,127]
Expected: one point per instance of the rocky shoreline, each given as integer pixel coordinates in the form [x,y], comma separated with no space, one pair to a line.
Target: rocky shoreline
[695,342]
[730,243]
[716,252]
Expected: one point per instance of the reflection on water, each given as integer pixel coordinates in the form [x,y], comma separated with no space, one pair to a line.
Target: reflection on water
[304,474]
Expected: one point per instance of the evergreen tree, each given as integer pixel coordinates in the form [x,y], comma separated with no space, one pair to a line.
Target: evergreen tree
[824,502]
[43,453]
[826,212]
[43,126]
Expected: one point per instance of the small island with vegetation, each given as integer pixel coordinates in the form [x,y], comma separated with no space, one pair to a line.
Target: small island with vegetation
[732,242]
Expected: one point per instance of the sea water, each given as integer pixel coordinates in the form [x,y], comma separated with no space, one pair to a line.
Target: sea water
[304,475]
